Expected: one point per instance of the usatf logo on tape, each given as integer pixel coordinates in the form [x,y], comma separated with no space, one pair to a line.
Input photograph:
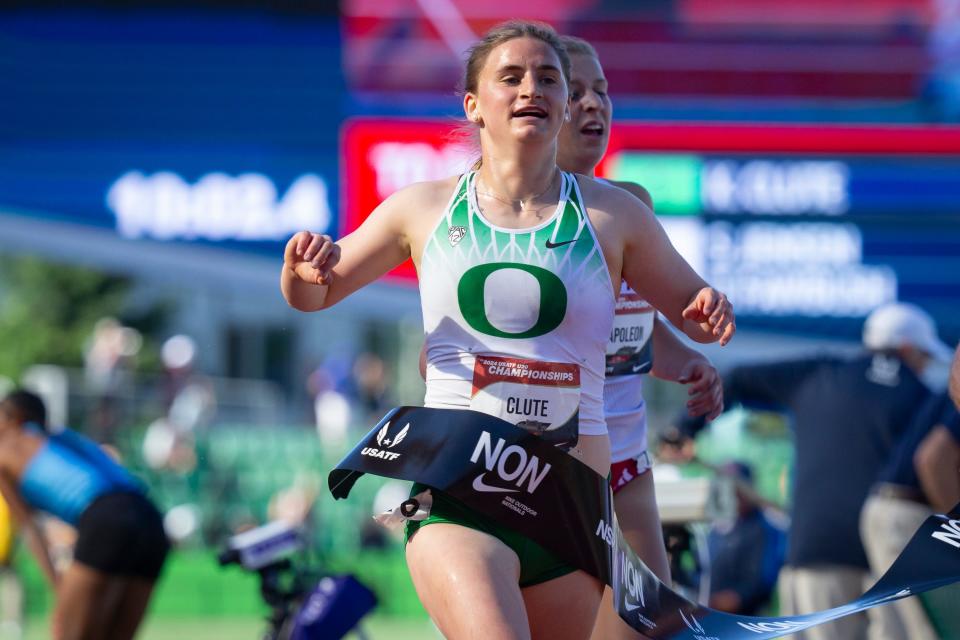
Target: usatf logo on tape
[384,441]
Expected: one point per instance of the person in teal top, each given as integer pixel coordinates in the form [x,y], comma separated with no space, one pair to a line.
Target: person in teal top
[121,545]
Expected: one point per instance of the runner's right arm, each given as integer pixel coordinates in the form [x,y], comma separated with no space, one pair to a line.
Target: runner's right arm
[34,537]
[318,272]
[675,361]
[652,267]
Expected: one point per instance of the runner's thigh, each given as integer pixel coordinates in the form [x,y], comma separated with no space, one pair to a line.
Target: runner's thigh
[563,608]
[468,582]
[636,506]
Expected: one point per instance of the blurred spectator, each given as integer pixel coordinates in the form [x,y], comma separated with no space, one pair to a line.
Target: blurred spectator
[188,394]
[922,472]
[372,382]
[675,441]
[167,447]
[373,535]
[937,461]
[190,403]
[331,409]
[108,360]
[847,415]
[746,553]
[295,504]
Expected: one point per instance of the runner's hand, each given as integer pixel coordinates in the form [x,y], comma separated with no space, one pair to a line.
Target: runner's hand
[312,257]
[704,388]
[711,308]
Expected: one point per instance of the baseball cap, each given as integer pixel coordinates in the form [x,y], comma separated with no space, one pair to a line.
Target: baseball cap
[899,324]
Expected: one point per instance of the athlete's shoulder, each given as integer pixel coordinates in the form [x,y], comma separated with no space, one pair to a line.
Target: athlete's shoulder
[605,199]
[605,191]
[426,192]
[638,191]
[409,207]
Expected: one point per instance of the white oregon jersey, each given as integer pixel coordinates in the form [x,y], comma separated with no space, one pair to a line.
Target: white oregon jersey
[629,356]
[517,320]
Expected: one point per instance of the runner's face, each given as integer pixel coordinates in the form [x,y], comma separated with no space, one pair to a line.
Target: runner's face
[583,140]
[521,92]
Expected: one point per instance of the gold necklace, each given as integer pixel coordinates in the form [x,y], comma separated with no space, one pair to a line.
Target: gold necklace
[510,202]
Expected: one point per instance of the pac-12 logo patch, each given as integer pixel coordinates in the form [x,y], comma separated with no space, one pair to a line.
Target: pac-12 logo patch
[456,234]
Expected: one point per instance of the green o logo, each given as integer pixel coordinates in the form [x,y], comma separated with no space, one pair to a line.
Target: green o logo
[553,300]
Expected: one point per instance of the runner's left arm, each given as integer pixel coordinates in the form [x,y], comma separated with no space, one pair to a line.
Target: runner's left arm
[674,360]
[656,271]
[35,540]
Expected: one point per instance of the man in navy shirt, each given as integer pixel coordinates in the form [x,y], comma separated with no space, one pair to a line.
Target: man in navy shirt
[921,476]
[746,553]
[847,415]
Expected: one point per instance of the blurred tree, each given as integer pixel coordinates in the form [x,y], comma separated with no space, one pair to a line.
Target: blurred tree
[48,310]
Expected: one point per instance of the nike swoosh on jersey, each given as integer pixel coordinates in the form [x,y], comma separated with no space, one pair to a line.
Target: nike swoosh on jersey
[483,487]
[631,607]
[554,245]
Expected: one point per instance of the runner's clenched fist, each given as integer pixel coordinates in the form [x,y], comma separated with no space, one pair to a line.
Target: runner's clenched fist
[714,312]
[312,257]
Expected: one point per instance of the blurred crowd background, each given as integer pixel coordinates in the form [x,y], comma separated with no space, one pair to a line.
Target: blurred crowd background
[155,155]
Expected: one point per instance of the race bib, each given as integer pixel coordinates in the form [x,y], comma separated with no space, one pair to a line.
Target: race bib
[541,397]
[630,350]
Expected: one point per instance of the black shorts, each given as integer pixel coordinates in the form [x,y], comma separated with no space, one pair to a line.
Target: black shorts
[122,534]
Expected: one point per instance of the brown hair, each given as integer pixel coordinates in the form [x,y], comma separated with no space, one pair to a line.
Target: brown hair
[578,47]
[504,32]
[466,132]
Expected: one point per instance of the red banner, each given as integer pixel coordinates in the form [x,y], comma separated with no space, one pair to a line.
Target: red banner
[382,155]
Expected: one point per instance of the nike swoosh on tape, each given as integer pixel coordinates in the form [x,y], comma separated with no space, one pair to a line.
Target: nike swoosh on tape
[480,485]
[554,245]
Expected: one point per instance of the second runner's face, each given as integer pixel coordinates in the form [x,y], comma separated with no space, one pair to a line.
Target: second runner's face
[583,140]
[521,92]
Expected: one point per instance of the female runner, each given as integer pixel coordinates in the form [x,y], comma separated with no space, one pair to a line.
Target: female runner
[121,545]
[517,261]
[582,143]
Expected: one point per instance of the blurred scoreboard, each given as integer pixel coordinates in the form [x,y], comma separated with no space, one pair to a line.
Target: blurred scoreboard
[807,228]
[172,126]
